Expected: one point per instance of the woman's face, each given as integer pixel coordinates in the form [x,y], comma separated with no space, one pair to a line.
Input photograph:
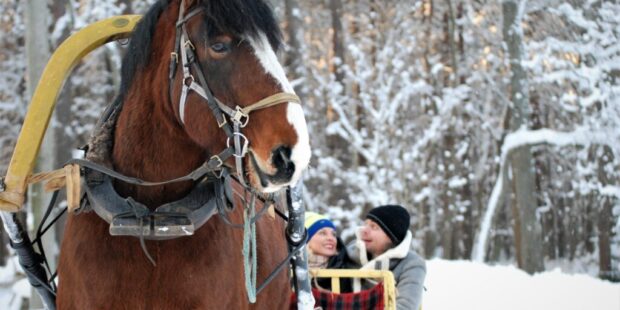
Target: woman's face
[323,242]
[375,239]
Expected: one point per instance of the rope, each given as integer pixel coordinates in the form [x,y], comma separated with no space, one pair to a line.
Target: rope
[249,255]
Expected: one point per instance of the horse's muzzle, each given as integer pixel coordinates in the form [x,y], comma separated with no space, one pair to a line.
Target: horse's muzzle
[283,166]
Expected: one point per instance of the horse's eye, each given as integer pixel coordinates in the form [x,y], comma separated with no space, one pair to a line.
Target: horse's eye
[220,47]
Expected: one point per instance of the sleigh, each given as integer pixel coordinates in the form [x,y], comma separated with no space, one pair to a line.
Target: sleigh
[381,296]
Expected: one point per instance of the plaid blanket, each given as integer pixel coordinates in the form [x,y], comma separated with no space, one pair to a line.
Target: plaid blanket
[370,299]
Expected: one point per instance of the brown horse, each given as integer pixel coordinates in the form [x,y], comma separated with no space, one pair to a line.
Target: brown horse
[162,133]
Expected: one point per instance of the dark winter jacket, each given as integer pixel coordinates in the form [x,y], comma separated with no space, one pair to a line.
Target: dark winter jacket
[408,267]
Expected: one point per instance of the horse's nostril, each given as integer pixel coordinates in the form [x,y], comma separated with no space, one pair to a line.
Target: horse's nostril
[281,156]
[281,159]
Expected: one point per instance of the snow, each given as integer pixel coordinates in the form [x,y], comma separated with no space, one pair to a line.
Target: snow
[466,285]
[14,287]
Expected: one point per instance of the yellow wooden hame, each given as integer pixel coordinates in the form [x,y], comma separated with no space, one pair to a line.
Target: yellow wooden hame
[41,107]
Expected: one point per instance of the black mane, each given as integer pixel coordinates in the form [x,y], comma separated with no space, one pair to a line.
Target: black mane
[242,17]
[237,17]
[139,49]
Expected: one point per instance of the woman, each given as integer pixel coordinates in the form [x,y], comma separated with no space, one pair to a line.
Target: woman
[326,250]
[322,240]
[384,243]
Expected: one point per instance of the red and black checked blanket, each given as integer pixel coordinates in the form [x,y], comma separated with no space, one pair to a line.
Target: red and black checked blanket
[370,299]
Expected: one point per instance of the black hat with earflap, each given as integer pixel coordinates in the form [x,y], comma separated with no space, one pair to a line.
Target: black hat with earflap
[393,219]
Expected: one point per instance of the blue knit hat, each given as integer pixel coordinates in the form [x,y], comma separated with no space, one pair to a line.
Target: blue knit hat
[315,222]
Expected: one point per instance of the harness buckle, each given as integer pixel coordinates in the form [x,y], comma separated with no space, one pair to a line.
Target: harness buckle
[218,173]
[239,117]
[217,158]
[174,56]
[224,121]
[189,43]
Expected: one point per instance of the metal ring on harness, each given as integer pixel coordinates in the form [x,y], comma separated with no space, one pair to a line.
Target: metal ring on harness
[244,148]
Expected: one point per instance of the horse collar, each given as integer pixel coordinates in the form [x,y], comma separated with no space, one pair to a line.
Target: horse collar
[128,217]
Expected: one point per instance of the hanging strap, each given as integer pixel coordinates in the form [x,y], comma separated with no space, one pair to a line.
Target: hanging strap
[249,250]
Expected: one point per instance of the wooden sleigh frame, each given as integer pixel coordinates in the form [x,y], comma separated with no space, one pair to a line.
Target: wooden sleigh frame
[43,102]
[389,284]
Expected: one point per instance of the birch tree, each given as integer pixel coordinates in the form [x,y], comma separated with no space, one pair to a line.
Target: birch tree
[521,166]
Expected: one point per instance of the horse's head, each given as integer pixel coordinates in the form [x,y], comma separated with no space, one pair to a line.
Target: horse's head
[234,45]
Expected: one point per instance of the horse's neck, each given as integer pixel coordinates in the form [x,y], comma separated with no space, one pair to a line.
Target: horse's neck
[149,146]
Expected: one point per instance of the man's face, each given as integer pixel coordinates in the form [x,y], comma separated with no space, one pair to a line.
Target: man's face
[375,239]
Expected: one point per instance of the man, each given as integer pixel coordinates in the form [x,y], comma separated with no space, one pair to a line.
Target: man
[384,243]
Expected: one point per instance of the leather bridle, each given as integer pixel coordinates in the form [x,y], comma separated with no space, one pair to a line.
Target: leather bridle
[239,116]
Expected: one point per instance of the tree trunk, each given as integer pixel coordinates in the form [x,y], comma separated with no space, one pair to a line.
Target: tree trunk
[516,226]
[605,217]
[335,142]
[450,225]
[37,53]
[451,40]
[335,7]
[605,226]
[521,160]
[293,57]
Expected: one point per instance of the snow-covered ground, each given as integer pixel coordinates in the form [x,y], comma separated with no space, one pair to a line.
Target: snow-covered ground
[465,285]
[461,285]
[13,286]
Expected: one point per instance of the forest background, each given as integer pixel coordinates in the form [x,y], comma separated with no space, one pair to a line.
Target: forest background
[496,123]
